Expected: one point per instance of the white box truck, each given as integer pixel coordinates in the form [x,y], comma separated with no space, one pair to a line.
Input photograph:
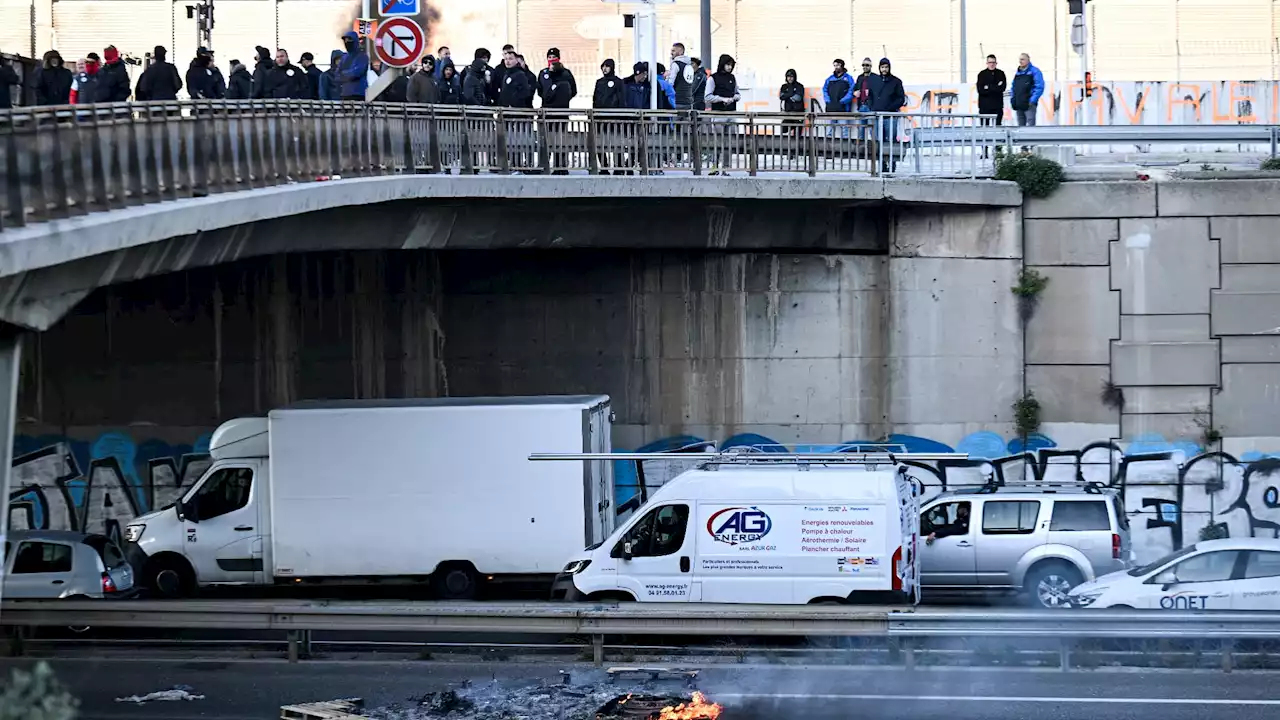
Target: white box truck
[762,527]
[387,491]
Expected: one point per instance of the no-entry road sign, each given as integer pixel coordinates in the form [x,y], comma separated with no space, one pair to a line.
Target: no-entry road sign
[399,42]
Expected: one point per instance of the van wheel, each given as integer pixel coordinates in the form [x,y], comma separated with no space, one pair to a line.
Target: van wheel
[456,581]
[171,577]
[1047,585]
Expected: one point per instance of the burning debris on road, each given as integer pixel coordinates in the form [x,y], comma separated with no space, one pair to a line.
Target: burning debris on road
[498,700]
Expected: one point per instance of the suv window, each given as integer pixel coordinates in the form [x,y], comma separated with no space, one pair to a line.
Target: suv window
[1009,517]
[1080,516]
[660,532]
[946,520]
[1262,564]
[42,557]
[227,491]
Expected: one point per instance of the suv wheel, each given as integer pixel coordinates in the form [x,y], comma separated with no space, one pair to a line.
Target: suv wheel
[1047,585]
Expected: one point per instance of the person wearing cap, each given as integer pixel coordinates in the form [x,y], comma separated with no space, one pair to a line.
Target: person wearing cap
[160,81]
[203,78]
[867,82]
[308,63]
[556,84]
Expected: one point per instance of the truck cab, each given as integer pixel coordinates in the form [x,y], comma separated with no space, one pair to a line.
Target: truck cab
[218,531]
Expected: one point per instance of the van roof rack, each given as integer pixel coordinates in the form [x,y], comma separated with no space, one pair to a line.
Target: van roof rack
[752,456]
[992,485]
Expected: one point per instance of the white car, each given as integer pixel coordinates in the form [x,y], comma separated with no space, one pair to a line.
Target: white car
[1231,574]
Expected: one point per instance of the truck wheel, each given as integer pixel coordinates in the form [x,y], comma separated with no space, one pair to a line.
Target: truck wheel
[171,578]
[1047,585]
[456,582]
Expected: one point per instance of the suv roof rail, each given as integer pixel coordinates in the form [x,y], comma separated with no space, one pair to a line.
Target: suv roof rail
[1091,487]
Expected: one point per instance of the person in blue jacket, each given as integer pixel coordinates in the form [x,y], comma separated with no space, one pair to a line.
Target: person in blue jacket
[1028,86]
[330,85]
[353,68]
[837,95]
[637,87]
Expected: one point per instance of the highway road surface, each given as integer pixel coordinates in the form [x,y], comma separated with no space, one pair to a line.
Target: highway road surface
[255,689]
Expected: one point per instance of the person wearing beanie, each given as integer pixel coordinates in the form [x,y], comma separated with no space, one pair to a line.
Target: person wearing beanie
[160,81]
[204,82]
[261,67]
[475,84]
[113,78]
[423,89]
[556,84]
[888,97]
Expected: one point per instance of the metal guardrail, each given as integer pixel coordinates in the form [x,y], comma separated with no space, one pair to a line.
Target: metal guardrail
[299,619]
[58,162]
[1086,135]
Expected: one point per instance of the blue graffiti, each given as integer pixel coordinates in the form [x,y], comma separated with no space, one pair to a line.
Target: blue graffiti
[64,483]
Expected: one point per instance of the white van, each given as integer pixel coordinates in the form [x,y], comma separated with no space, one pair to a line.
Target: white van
[760,527]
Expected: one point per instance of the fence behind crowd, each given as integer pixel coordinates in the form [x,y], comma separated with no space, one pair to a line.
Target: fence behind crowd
[72,160]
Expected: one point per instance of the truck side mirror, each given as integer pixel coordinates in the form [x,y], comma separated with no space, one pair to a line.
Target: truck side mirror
[626,550]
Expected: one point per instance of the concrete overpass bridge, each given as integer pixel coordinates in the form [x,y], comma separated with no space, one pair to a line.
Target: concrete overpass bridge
[186,264]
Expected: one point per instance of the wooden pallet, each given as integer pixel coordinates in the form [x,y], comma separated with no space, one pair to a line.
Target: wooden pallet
[654,673]
[328,710]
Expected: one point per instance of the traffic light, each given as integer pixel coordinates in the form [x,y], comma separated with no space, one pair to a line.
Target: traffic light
[1076,7]
[1088,84]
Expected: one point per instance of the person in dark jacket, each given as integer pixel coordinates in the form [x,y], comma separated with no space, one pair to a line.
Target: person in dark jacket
[791,99]
[353,68]
[515,91]
[556,85]
[1028,86]
[889,97]
[8,80]
[84,87]
[329,87]
[160,81]
[475,85]
[529,75]
[723,96]
[284,81]
[991,87]
[863,86]
[219,82]
[53,81]
[262,65]
[638,89]
[442,53]
[241,85]
[113,78]
[202,82]
[609,95]
[422,86]
[699,84]
[448,89]
[397,91]
[308,63]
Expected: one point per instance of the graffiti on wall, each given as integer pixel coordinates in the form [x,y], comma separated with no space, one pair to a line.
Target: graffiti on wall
[98,485]
[1173,492]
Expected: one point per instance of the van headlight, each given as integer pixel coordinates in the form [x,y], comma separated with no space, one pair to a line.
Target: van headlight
[133,532]
[575,567]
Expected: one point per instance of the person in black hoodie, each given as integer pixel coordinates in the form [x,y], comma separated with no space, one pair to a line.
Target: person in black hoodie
[609,95]
[8,80]
[53,81]
[160,81]
[308,63]
[113,78]
[497,74]
[556,85]
[202,80]
[791,97]
[515,91]
[262,65]
[285,81]
[723,96]
[241,85]
[447,85]
[475,84]
[889,96]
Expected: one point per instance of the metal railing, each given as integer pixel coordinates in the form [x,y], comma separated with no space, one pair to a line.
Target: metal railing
[1262,138]
[58,162]
[300,618]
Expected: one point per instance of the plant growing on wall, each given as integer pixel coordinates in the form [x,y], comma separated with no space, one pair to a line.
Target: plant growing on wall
[1030,284]
[1214,531]
[1026,414]
[1270,164]
[1037,176]
[1209,435]
[36,695]
[1112,395]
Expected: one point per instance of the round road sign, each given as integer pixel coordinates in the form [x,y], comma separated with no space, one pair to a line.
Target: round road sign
[399,42]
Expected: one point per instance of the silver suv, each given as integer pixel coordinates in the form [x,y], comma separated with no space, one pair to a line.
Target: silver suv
[1037,539]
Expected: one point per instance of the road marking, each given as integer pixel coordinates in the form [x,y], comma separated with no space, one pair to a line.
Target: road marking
[997,698]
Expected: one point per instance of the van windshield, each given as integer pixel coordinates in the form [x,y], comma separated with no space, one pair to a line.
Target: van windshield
[1152,567]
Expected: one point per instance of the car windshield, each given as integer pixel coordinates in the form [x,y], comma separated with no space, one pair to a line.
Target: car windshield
[1151,567]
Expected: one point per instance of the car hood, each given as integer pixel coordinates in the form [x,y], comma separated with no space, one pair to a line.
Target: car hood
[1100,584]
[143,519]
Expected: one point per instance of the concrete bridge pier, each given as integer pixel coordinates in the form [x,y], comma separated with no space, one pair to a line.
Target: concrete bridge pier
[10,358]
